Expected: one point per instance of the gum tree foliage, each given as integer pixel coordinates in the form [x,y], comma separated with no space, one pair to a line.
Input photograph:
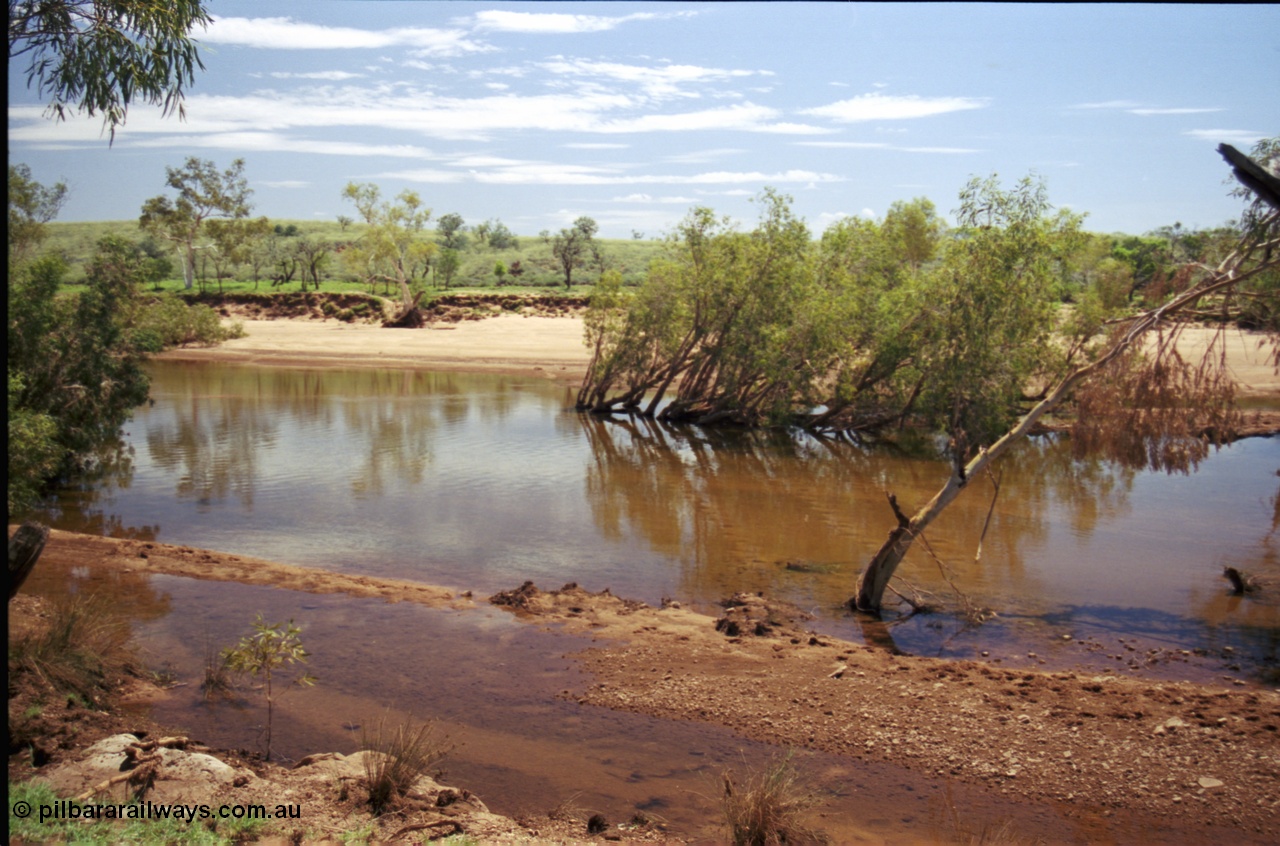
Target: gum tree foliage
[75,367]
[496,235]
[393,245]
[760,327]
[574,247]
[31,207]
[232,242]
[100,56]
[1137,400]
[449,232]
[204,193]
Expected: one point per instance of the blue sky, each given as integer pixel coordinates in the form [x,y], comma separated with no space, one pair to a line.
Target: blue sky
[536,113]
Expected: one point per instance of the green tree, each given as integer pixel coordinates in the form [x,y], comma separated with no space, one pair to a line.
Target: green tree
[103,55]
[574,247]
[1141,407]
[203,193]
[232,242]
[500,272]
[75,355]
[33,448]
[447,263]
[496,235]
[915,231]
[31,207]
[449,232]
[393,244]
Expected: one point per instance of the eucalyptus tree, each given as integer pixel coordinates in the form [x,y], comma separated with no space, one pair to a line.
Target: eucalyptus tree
[232,243]
[102,55]
[204,193]
[31,207]
[573,247]
[393,242]
[1138,400]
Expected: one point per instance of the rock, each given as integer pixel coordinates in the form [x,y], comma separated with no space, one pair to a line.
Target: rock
[185,777]
[1210,783]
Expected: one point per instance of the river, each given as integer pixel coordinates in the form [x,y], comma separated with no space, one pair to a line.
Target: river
[481,482]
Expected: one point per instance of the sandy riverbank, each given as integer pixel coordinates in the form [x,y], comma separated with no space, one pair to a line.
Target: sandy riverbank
[553,347]
[528,345]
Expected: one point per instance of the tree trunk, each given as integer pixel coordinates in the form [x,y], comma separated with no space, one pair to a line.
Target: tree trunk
[24,551]
[189,267]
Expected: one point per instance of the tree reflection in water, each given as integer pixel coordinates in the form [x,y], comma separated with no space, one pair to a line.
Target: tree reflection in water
[735,507]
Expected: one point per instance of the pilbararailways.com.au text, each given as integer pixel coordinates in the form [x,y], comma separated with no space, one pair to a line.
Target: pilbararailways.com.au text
[65,809]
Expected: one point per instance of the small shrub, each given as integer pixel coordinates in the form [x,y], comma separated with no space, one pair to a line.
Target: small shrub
[170,322]
[270,648]
[401,755]
[767,807]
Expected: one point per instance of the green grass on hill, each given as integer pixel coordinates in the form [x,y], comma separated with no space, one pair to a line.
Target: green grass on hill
[76,243]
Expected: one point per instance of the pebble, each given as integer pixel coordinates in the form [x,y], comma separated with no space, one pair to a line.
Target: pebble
[1210,783]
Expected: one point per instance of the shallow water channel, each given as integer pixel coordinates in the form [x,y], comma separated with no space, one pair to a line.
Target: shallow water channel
[481,482]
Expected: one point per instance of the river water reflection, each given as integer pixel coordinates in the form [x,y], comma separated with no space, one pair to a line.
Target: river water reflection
[482,482]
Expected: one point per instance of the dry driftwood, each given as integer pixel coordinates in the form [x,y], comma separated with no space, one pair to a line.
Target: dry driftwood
[24,551]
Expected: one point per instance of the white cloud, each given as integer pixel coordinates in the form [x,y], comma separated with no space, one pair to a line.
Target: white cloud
[648,198]
[545,23]
[702,156]
[402,108]
[942,150]
[588,145]
[510,172]
[880,145]
[287,183]
[657,81]
[1146,112]
[331,76]
[1109,104]
[288,34]
[846,145]
[893,107]
[1233,136]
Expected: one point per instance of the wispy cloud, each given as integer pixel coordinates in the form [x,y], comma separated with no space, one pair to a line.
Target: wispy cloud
[946,151]
[846,145]
[1175,111]
[1133,107]
[1109,104]
[663,80]
[287,183]
[330,76]
[592,145]
[868,107]
[554,173]
[551,23]
[702,156]
[648,198]
[288,34]
[880,145]
[1234,136]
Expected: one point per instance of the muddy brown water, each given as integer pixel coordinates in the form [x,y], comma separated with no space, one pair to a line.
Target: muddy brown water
[482,482]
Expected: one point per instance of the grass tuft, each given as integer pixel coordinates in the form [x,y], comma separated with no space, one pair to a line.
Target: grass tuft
[401,755]
[81,650]
[767,807]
